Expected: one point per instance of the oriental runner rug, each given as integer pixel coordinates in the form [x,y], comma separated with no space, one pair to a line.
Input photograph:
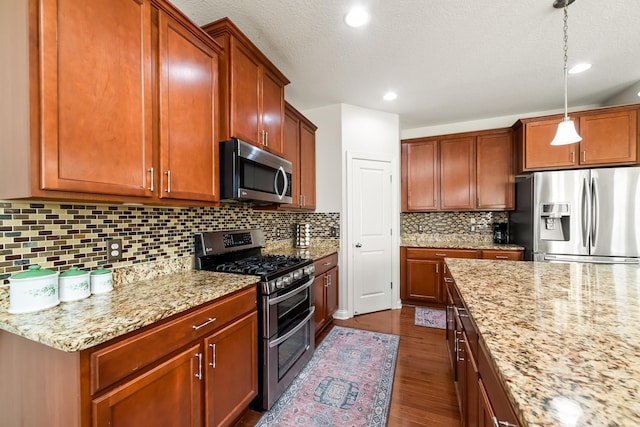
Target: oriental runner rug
[430,317]
[347,383]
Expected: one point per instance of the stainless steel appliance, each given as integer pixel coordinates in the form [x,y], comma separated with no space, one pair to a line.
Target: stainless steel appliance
[249,174]
[588,215]
[285,304]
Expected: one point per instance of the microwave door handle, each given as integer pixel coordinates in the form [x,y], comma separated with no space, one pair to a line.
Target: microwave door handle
[286,182]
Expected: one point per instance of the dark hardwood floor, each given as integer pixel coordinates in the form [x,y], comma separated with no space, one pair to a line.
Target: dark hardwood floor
[423,389]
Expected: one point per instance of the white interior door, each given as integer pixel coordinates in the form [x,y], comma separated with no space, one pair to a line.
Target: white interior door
[370,222]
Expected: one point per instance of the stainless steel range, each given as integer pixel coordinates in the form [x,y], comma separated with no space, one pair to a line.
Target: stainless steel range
[285,303]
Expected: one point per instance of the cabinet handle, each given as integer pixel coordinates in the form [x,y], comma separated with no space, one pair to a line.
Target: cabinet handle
[437,269]
[502,257]
[326,264]
[168,173]
[457,310]
[304,200]
[199,374]
[448,280]
[441,254]
[497,423]
[300,200]
[329,281]
[150,170]
[213,355]
[573,157]
[584,156]
[266,138]
[458,358]
[210,320]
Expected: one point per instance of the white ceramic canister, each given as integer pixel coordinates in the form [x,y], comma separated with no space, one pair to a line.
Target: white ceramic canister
[74,285]
[33,290]
[101,280]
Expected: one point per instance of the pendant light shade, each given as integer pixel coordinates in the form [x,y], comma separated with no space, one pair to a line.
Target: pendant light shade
[566,133]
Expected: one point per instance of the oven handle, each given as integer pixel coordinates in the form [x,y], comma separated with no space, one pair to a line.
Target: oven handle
[276,300]
[288,335]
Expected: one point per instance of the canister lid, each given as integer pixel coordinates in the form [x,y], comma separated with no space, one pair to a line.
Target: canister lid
[33,272]
[101,270]
[73,271]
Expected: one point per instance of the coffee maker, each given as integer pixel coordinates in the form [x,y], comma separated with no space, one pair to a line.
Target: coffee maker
[500,232]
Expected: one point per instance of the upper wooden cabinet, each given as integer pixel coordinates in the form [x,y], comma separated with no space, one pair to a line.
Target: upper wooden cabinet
[609,137]
[469,171]
[251,89]
[122,105]
[300,150]
[420,176]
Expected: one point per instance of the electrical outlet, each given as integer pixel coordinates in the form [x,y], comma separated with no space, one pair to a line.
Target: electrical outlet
[333,231]
[114,250]
[277,233]
[420,228]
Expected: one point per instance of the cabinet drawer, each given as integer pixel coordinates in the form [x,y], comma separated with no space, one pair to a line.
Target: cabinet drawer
[496,393]
[114,362]
[504,255]
[325,264]
[419,253]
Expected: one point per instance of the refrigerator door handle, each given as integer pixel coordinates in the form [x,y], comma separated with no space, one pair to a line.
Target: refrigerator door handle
[595,211]
[585,216]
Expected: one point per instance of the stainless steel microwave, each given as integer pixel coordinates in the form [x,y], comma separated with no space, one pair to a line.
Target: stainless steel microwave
[249,174]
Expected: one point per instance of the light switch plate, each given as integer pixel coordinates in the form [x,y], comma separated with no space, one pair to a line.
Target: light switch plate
[114,250]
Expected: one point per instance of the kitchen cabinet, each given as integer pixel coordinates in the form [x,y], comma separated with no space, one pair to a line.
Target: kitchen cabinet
[325,291]
[300,150]
[609,137]
[251,90]
[482,399]
[458,172]
[420,176]
[421,269]
[121,125]
[192,369]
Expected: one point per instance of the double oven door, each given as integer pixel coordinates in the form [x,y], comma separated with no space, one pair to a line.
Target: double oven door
[287,338]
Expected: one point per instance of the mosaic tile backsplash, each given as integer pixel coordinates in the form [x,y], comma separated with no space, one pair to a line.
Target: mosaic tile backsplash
[450,222]
[58,236]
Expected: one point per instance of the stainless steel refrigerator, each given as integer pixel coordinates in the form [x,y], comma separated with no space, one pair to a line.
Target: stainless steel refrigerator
[586,215]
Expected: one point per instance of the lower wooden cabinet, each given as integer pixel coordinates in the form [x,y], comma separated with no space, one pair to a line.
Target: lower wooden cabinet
[482,399]
[169,394]
[325,291]
[194,369]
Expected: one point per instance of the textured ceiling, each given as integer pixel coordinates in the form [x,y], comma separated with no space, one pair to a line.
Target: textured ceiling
[449,60]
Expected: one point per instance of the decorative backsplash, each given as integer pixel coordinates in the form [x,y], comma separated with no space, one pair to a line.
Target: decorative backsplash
[57,236]
[450,222]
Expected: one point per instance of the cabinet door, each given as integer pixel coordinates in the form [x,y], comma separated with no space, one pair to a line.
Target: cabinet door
[308,166]
[188,114]
[540,154]
[96,96]
[457,173]
[420,177]
[609,138]
[272,112]
[291,152]
[423,280]
[495,185]
[231,377]
[332,292]
[320,315]
[168,395]
[470,397]
[245,95]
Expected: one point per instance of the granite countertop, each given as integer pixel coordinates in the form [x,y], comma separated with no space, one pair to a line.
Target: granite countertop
[565,338]
[454,241]
[318,249]
[78,325]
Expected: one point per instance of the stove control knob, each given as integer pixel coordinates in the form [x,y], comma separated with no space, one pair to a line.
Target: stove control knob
[279,283]
[287,279]
[297,274]
[309,270]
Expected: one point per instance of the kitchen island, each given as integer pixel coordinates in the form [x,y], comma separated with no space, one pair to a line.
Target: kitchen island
[563,339]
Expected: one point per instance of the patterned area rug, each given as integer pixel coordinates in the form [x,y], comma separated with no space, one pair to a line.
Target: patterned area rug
[430,317]
[348,382]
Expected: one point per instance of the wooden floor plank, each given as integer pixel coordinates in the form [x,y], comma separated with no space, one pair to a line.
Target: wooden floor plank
[423,391]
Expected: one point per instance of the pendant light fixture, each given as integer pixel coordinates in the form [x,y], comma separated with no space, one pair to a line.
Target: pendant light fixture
[566,133]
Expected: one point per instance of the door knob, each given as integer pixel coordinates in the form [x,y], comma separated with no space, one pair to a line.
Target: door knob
[358,245]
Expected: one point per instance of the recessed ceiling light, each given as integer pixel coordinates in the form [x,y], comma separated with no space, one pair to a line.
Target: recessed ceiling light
[578,68]
[390,96]
[356,17]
